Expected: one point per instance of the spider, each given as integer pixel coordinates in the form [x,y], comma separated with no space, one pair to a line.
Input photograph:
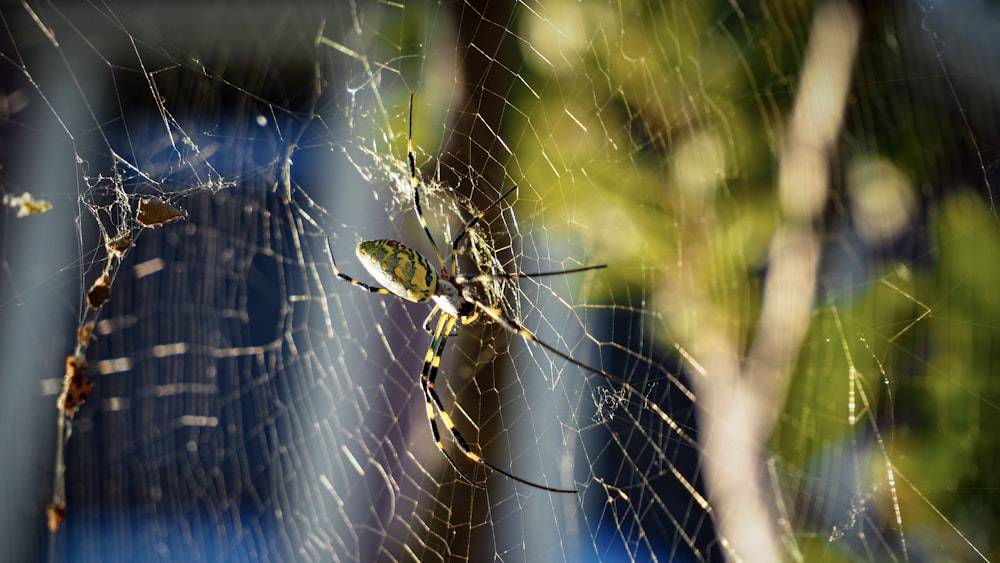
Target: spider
[407,274]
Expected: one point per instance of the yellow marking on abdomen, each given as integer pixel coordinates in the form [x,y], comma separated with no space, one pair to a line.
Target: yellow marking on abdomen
[401,269]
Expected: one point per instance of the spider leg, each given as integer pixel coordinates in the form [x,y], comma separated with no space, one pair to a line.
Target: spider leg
[464,232]
[346,278]
[412,161]
[432,362]
[513,327]
[480,278]
[432,359]
[429,321]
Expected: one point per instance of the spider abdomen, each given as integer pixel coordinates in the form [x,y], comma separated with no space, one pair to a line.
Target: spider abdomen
[402,270]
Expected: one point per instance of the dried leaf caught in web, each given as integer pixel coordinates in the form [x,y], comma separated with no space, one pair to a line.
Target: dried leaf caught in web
[154,212]
[100,292]
[76,387]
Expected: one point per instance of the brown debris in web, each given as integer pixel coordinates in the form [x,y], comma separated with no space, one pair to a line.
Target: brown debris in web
[154,212]
[76,387]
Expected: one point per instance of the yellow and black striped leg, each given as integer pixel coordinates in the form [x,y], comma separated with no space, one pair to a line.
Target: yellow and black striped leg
[412,161]
[431,363]
[346,278]
[515,328]
[429,323]
[429,375]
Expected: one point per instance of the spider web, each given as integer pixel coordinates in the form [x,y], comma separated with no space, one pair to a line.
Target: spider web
[794,203]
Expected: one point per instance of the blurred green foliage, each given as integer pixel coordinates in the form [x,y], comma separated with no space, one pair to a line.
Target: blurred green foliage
[656,144]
